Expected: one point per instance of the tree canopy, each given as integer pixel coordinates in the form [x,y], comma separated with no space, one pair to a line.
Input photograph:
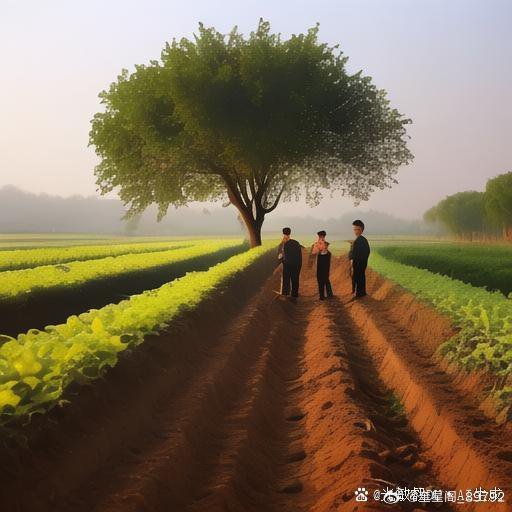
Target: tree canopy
[462,213]
[488,212]
[249,120]
[498,202]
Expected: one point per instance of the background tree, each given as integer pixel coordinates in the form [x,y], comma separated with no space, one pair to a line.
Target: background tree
[253,121]
[462,213]
[431,215]
[498,203]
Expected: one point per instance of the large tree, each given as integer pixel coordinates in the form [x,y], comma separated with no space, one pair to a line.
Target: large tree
[498,202]
[249,120]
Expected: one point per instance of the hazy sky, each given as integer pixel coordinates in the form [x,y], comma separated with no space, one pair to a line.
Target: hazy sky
[445,63]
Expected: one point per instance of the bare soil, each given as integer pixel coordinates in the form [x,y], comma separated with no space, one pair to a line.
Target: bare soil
[256,403]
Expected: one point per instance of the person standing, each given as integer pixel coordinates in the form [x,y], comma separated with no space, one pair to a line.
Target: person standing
[290,254]
[323,265]
[359,254]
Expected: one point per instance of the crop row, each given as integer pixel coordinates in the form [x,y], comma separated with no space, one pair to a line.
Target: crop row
[17,284]
[36,367]
[29,258]
[484,318]
[478,265]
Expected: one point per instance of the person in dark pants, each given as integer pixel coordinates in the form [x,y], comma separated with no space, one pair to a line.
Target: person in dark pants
[290,254]
[323,265]
[359,254]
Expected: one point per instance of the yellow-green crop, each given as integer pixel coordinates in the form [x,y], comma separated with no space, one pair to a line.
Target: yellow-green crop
[18,283]
[36,367]
[29,258]
[485,318]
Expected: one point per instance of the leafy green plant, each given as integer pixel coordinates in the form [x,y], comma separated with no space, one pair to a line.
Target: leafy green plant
[36,367]
[479,265]
[395,405]
[18,259]
[484,318]
[17,284]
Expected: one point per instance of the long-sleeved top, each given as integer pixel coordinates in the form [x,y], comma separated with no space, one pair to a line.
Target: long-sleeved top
[360,250]
[291,251]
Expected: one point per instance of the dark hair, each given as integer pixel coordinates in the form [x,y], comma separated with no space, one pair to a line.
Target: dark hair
[359,223]
[322,233]
[287,231]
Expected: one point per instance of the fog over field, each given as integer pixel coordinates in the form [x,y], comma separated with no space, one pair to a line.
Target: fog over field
[22,211]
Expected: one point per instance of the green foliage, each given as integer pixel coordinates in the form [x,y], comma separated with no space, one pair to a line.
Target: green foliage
[484,318]
[252,120]
[29,258]
[498,201]
[480,265]
[461,213]
[17,284]
[36,367]
[486,212]
[431,215]
[395,406]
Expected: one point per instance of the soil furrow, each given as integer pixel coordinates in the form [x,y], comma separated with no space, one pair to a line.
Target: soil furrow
[246,476]
[287,407]
[163,468]
[352,438]
[467,449]
[68,445]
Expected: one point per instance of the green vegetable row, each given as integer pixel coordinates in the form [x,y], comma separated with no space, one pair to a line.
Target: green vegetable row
[36,367]
[485,318]
[30,258]
[479,265]
[18,283]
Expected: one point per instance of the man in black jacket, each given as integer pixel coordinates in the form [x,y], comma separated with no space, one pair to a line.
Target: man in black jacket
[290,254]
[359,254]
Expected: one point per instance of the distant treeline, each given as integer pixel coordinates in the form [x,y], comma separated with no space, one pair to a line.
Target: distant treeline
[475,215]
[377,223]
[22,211]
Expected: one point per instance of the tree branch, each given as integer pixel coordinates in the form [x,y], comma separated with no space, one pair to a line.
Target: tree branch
[275,203]
[242,187]
[234,194]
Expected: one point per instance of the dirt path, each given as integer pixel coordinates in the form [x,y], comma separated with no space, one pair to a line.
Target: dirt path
[294,406]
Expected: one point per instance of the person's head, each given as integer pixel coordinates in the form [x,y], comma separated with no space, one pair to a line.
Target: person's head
[358,226]
[321,234]
[286,233]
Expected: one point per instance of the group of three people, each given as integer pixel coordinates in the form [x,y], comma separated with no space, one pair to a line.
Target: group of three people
[290,255]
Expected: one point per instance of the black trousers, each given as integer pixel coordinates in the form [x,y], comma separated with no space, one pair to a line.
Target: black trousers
[324,286]
[290,280]
[359,277]
[323,267]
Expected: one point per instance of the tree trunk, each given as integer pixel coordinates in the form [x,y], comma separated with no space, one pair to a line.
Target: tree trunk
[253,227]
[254,234]
[253,222]
[508,233]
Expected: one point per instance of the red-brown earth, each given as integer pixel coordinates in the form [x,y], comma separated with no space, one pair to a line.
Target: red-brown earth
[256,403]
